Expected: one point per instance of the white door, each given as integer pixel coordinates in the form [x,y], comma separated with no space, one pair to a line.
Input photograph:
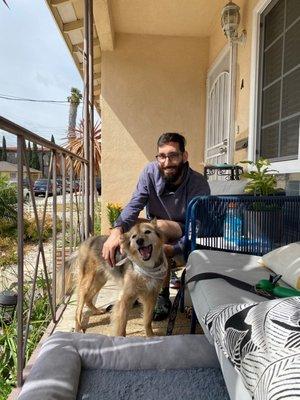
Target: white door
[218,115]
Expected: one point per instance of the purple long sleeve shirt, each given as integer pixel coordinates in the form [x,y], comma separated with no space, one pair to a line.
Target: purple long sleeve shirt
[151,192]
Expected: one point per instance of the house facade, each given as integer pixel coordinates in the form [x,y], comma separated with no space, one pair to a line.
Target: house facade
[167,66]
[10,171]
[43,156]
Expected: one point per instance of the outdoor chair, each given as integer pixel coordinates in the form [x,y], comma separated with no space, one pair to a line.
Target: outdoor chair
[233,236]
[252,225]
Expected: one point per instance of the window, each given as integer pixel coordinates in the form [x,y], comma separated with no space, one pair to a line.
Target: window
[279,86]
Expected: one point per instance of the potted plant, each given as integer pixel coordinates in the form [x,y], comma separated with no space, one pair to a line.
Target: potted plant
[262,181]
[263,219]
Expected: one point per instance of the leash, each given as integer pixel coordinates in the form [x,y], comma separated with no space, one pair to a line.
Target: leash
[204,276]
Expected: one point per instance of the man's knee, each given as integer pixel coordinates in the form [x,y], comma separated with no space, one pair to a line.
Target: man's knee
[171,229]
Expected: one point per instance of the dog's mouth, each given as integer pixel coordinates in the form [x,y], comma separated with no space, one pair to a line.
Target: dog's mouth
[146,252]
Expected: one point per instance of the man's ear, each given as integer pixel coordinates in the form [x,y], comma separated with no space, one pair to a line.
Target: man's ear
[185,156]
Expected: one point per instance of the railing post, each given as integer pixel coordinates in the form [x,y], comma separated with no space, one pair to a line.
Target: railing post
[71,176]
[86,62]
[63,255]
[54,232]
[20,339]
[91,105]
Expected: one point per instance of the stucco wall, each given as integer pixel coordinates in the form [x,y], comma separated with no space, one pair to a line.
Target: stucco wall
[150,84]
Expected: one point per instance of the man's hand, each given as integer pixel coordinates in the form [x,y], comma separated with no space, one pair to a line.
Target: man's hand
[111,245]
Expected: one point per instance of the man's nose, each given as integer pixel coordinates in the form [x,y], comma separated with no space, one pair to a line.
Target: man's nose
[167,161]
[140,242]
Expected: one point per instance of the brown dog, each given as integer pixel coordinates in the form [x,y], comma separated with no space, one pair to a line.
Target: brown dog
[140,274]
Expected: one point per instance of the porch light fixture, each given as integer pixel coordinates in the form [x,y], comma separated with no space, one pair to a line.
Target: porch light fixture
[230,20]
[8,303]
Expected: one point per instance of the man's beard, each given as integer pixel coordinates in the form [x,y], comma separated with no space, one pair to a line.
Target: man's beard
[172,174]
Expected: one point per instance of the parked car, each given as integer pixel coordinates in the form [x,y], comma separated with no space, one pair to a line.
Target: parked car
[98,185]
[40,187]
[75,186]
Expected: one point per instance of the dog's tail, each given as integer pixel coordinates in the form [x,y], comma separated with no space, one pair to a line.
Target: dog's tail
[70,278]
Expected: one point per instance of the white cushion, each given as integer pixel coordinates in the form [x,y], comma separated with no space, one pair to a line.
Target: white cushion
[262,342]
[285,261]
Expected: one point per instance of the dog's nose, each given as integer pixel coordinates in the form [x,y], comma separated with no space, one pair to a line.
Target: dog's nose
[140,242]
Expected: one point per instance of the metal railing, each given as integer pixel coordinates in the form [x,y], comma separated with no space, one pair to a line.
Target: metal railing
[76,227]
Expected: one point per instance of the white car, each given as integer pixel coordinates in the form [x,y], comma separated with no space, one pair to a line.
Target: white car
[26,191]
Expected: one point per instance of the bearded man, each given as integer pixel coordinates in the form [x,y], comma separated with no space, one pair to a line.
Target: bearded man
[165,187]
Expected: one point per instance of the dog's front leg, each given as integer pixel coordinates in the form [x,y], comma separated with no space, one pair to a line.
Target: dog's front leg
[148,302]
[120,314]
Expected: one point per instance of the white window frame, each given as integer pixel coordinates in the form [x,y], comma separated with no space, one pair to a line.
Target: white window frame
[288,166]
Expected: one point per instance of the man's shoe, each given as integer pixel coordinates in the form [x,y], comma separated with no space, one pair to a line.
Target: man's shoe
[174,281]
[162,308]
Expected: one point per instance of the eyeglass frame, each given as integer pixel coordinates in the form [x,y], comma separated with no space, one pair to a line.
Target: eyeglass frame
[173,156]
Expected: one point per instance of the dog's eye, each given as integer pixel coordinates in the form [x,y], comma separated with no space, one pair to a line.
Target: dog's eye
[147,232]
[133,236]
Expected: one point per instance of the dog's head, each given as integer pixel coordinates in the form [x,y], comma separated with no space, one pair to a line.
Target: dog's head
[143,244]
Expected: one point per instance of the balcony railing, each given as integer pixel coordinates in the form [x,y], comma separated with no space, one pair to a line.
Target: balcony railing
[74,223]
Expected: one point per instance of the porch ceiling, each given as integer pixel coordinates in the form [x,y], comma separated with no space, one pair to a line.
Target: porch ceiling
[152,17]
[165,17]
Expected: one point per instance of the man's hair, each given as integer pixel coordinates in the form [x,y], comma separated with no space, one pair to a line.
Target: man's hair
[172,137]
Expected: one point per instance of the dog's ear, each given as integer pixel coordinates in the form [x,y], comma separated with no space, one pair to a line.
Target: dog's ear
[124,239]
[154,222]
[160,234]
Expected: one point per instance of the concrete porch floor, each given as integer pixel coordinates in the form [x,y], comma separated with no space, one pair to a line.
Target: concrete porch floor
[101,323]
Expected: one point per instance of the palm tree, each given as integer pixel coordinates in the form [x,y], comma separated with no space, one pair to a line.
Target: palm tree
[75,145]
[74,101]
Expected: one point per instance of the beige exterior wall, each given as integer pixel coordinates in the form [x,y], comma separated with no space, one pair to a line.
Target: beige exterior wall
[150,84]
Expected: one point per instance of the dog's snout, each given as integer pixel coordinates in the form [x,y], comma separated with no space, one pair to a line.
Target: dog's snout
[140,242]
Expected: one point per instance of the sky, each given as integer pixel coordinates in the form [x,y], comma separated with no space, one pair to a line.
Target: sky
[35,64]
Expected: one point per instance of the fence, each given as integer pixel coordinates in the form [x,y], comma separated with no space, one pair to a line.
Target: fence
[78,223]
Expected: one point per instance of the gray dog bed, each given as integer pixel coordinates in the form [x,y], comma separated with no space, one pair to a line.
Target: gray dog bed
[78,366]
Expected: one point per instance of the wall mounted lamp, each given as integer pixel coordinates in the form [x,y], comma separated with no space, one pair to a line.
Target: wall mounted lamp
[230,20]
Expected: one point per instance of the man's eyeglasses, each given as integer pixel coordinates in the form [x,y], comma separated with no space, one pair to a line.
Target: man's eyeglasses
[173,157]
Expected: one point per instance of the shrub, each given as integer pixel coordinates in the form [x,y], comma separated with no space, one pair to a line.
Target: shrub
[8,228]
[8,200]
[30,228]
[8,251]
[8,338]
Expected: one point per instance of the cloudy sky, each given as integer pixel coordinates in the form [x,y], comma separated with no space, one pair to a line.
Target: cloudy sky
[35,64]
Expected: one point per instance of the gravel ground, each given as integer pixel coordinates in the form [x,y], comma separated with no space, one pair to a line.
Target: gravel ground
[9,275]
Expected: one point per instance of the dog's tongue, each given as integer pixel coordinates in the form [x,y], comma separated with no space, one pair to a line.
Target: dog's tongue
[145,251]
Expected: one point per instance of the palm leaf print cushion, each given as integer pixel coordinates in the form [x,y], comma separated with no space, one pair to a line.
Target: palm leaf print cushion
[262,341]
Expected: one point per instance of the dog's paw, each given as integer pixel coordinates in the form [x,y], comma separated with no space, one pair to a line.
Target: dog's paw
[79,328]
[98,311]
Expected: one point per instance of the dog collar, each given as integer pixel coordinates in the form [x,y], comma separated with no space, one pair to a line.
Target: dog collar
[158,273]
